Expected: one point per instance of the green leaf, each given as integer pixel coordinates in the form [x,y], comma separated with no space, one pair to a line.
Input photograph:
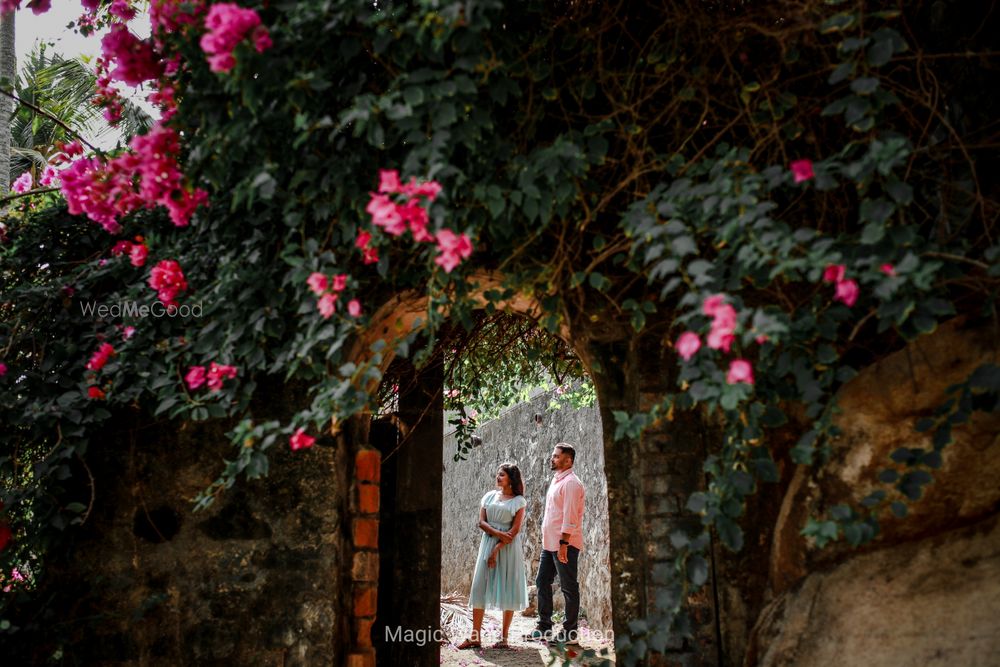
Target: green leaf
[864,85]
[837,23]
[880,52]
[730,533]
[697,570]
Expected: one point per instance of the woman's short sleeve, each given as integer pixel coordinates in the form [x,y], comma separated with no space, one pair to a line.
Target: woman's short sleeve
[486,498]
[518,503]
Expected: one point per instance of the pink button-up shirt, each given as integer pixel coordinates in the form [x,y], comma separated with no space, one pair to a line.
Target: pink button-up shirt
[563,511]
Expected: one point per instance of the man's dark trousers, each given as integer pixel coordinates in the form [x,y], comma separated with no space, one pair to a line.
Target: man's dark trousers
[548,567]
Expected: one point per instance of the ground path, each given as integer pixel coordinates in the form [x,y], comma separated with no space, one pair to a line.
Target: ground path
[521,653]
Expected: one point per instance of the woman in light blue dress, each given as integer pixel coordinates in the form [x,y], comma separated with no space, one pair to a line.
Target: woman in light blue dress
[499,581]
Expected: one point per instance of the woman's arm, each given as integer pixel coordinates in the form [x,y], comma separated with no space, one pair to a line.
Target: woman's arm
[485,526]
[518,519]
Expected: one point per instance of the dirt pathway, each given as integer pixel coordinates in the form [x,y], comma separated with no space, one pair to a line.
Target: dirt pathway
[521,653]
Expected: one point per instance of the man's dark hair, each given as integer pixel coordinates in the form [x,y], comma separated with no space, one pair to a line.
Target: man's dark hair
[567,448]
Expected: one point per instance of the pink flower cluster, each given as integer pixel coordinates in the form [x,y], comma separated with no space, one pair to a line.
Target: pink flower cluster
[300,440]
[720,337]
[845,290]
[214,376]
[106,191]
[171,16]
[97,361]
[3,369]
[329,291]
[168,281]
[229,24]
[107,96]
[23,183]
[135,59]
[137,251]
[49,177]
[369,253]
[802,170]
[396,218]
[37,6]
[122,10]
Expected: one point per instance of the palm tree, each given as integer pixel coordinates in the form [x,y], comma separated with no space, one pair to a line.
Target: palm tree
[63,89]
[8,72]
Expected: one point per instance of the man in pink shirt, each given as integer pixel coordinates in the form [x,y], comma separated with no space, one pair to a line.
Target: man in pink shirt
[562,540]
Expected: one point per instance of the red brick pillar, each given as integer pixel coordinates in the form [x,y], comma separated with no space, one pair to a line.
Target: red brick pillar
[364,570]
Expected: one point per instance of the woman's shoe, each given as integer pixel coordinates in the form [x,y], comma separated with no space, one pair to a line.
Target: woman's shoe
[468,643]
[501,644]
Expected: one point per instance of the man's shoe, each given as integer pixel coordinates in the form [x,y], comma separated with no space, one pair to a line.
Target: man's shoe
[538,635]
[564,637]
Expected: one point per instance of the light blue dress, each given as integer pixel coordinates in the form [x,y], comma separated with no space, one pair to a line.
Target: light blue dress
[504,586]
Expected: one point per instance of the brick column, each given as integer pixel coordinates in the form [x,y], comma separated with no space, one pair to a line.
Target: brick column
[364,569]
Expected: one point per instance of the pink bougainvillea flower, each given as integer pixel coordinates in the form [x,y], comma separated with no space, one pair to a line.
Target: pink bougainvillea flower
[228,24]
[300,440]
[168,281]
[22,183]
[95,393]
[327,305]
[428,189]
[834,273]
[385,214]
[137,254]
[712,304]
[761,339]
[40,6]
[49,177]
[354,308]
[97,361]
[847,292]
[3,370]
[687,345]
[388,181]
[217,373]
[416,215]
[722,333]
[888,269]
[802,170]
[171,16]
[339,282]
[195,377]
[135,59]
[370,253]
[261,39]
[128,332]
[452,249]
[740,370]
[318,283]
[122,10]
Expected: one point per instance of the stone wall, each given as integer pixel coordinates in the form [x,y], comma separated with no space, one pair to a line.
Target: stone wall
[925,591]
[253,580]
[518,437]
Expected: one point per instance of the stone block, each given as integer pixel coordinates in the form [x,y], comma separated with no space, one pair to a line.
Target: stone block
[365,566]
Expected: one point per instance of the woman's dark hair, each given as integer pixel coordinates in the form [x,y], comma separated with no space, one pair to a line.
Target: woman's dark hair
[514,475]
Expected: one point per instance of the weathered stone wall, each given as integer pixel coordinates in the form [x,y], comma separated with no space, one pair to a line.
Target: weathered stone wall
[925,591]
[254,580]
[516,436]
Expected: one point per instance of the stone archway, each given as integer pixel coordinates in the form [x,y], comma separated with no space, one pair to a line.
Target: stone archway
[648,478]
